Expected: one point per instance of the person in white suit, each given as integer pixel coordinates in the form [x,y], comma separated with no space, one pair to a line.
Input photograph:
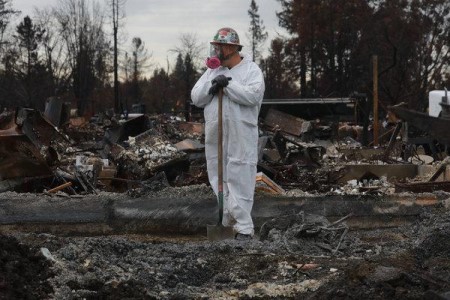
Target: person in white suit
[243,89]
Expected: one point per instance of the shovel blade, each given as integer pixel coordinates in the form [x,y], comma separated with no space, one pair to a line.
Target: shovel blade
[219,232]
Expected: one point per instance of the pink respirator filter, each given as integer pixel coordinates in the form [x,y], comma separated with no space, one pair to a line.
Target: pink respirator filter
[213,62]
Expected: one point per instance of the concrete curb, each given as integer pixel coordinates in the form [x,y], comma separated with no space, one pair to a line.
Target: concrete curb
[183,215]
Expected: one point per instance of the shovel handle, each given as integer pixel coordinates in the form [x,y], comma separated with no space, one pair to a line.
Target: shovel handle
[220,141]
[220,154]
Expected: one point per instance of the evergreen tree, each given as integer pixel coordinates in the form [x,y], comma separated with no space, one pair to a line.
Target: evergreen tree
[29,70]
[278,84]
[5,13]
[331,45]
[178,82]
[82,28]
[189,78]
[257,31]
[182,80]
[158,94]
[139,60]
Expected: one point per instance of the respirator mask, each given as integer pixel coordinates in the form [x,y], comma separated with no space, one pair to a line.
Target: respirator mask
[214,60]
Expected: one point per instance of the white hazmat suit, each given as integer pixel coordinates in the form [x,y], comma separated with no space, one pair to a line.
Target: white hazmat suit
[241,104]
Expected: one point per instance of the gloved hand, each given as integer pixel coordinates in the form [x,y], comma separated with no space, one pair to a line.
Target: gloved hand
[214,89]
[219,82]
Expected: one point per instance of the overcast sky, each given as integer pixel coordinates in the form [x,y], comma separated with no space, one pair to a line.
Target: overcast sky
[159,23]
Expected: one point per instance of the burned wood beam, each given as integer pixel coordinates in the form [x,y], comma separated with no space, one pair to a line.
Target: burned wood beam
[61,187]
[422,187]
[438,173]
[62,176]
[264,183]
[440,170]
[286,123]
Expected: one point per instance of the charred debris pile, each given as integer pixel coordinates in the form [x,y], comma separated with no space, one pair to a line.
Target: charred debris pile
[57,154]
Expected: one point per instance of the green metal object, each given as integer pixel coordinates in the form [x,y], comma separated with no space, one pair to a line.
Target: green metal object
[219,232]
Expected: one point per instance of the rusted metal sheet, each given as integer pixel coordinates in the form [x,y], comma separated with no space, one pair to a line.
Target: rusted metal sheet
[25,146]
[40,132]
[19,157]
[422,187]
[37,128]
[435,127]
[285,122]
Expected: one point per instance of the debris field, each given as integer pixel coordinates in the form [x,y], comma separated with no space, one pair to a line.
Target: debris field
[332,251]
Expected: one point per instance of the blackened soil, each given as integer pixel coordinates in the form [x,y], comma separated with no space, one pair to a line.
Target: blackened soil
[418,267]
[410,262]
[23,271]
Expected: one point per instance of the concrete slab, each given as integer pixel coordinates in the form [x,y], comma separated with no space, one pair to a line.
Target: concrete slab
[190,215]
[44,209]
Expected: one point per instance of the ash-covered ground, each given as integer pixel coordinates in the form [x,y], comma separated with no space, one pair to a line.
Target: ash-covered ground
[306,257]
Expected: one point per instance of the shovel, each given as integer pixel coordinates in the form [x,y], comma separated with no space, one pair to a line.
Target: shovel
[219,232]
